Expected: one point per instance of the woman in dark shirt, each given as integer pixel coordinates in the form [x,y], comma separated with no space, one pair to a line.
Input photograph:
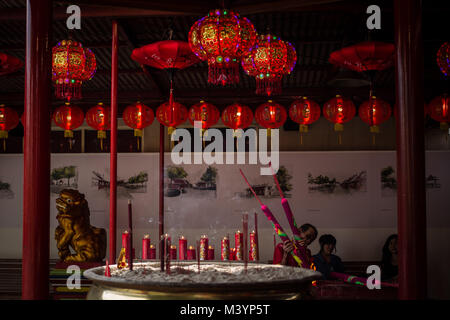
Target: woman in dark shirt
[325,261]
[389,263]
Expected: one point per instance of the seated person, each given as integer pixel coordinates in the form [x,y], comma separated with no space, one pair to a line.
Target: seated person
[389,262]
[308,233]
[325,261]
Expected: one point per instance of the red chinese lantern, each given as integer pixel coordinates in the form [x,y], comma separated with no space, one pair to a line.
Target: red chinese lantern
[438,109]
[138,116]
[221,38]
[365,56]
[9,119]
[268,61]
[237,116]
[9,64]
[71,65]
[291,58]
[99,118]
[171,114]
[270,115]
[443,58]
[339,110]
[374,112]
[304,112]
[205,113]
[68,117]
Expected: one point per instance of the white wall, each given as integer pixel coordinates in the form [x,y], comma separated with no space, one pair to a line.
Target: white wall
[360,221]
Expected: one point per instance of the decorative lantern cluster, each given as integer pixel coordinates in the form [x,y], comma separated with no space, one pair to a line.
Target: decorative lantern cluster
[71,65]
[443,58]
[9,119]
[268,61]
[221,38]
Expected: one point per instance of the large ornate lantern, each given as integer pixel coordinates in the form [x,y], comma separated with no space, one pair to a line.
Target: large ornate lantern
[339,110]
[443,58]
[138,116]
[221,38]
[68,117]
[438,109]
[205,113]
[268,62]
[99,118]
[71,65]
[374,112]
[9,119]
[237,116]
[305,112]
[270,115]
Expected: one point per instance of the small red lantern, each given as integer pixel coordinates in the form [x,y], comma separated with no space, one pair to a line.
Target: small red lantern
[237,116]
[221,38]
[9,64]
[438,109]
[138,116]
[270,115]
[68,117]
[204,112]
[339,110]
[9,119]
[304,112]
[443,58]
[374,112]
[171,114]
[99,118]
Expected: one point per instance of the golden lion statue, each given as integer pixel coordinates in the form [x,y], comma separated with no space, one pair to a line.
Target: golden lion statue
[75,231]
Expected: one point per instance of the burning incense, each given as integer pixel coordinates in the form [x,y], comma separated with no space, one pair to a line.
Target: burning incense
[161,252]
[278,229]
[167,252]
[357,280]
[198,255]
[256,237]
[130,238]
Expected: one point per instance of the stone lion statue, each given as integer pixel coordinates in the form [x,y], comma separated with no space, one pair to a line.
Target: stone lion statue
[75,231]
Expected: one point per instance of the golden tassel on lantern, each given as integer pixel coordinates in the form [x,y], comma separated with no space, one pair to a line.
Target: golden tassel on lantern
[138,135]
[101,134]
[4,136]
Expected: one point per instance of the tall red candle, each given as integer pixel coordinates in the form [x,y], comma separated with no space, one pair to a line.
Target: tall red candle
[203,252]
[182,247]
[146,247]
[125,237]
[173,252]
[152,252]
[210,253]
[225,249]
[191,253]
[238,244]
[253,254]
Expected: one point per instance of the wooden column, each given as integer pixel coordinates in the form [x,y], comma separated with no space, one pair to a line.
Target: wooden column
[36,184]
[161,180]
[113,149]
[410,151]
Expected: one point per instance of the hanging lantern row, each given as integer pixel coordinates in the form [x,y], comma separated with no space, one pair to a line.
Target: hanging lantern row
[71,65]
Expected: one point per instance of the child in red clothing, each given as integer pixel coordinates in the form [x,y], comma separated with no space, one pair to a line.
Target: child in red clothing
[282,255]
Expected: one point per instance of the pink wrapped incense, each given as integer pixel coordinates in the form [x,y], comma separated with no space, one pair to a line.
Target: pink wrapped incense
[278,229]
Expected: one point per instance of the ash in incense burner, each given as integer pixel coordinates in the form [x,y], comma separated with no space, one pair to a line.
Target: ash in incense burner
[219,280]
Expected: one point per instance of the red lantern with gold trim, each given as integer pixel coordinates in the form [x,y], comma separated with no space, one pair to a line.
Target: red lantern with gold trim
[138,116]
[68,117]
[99,118]
[205,113]
[270,115]
[438,109]
[339,110]
[374,112]
[171,114]
[9,119]
[305,112]
[237,116]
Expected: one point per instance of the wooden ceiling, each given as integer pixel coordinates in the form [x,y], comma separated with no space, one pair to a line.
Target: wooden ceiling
[314,27]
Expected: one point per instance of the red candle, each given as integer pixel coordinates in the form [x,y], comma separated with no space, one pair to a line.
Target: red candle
[146,247]
[203,253]
[238,245]
[125,237]
[191,253]
[173,252]
[182,247]
[210,253]
[152,252]
[232,253]
[225,249]
[253,254]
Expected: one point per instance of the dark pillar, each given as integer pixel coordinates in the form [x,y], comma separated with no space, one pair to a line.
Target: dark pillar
[113,149]
[36,186]
[161,180]
[410,150]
